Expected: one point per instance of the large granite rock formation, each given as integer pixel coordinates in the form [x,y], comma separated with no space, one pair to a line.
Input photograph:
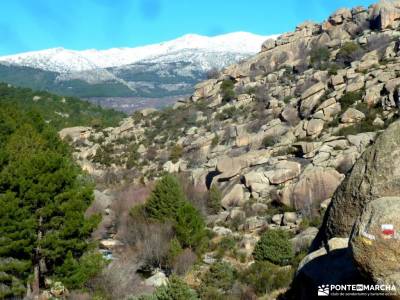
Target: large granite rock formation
[375,248]
[376,174]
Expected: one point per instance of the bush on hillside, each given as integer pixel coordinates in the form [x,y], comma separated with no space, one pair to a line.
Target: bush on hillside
[176,289]
[274,246]
[167,203]
[270,141]
[227,87]
[349,52]
[176,153]
[319,58]
[264,277]
[215,141]
[133,156]
[349,99]
[220,276]
[214,200]
[227,113]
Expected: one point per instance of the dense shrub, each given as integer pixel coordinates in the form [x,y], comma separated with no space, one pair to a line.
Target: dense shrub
[269,141]
[221,275]
[319,58]
[264,277]
[360,127]
[212,293]
[314,221]
[214,199]
[196,194]
[227,113]
[366,124]
[167,203]
[226,244]
[274,246]
[133,156]
[378,42]
[333,69]
[348,53]
[227,87]
[215,141]
[176,289]
[75,274]
[176,153]
[349,99]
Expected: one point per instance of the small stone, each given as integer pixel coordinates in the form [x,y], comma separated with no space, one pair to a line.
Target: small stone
[277,219]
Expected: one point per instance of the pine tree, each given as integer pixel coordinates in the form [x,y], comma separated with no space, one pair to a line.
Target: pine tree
[165,200]
[167,203]
[43,198]
[189,226]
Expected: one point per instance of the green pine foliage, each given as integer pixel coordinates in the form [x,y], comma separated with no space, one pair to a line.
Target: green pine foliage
[176,289]
[75,273]
[165,200]
[264,277]
[175,249]
[167,203]
[319,57]
[43,197]
[176,153]
[189,226]
[274,246]
[227,88]
[59,112]
[214,199]
[220,277]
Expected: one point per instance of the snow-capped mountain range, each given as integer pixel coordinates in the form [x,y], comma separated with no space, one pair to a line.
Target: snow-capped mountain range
[65,61]
[166,69]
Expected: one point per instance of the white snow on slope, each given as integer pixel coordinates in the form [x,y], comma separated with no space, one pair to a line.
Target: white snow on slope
[69,61]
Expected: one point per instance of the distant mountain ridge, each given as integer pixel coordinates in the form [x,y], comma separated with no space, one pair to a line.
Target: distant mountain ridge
[64,61]
[162,70]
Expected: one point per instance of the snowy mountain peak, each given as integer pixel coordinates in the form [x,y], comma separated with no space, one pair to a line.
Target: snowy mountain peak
[69,61]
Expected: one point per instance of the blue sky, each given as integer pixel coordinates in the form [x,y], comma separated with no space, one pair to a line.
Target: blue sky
[81,24]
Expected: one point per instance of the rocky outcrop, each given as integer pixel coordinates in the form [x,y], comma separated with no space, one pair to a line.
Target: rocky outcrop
[376,174]
[385,14]
[375,241]
[314,186]
[75,133]
[235,197]
[352,115]
[157,280]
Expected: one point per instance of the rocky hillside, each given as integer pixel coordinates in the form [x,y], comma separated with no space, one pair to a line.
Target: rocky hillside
[278,134]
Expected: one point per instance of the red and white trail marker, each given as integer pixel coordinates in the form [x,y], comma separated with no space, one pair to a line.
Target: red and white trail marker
[387,231]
